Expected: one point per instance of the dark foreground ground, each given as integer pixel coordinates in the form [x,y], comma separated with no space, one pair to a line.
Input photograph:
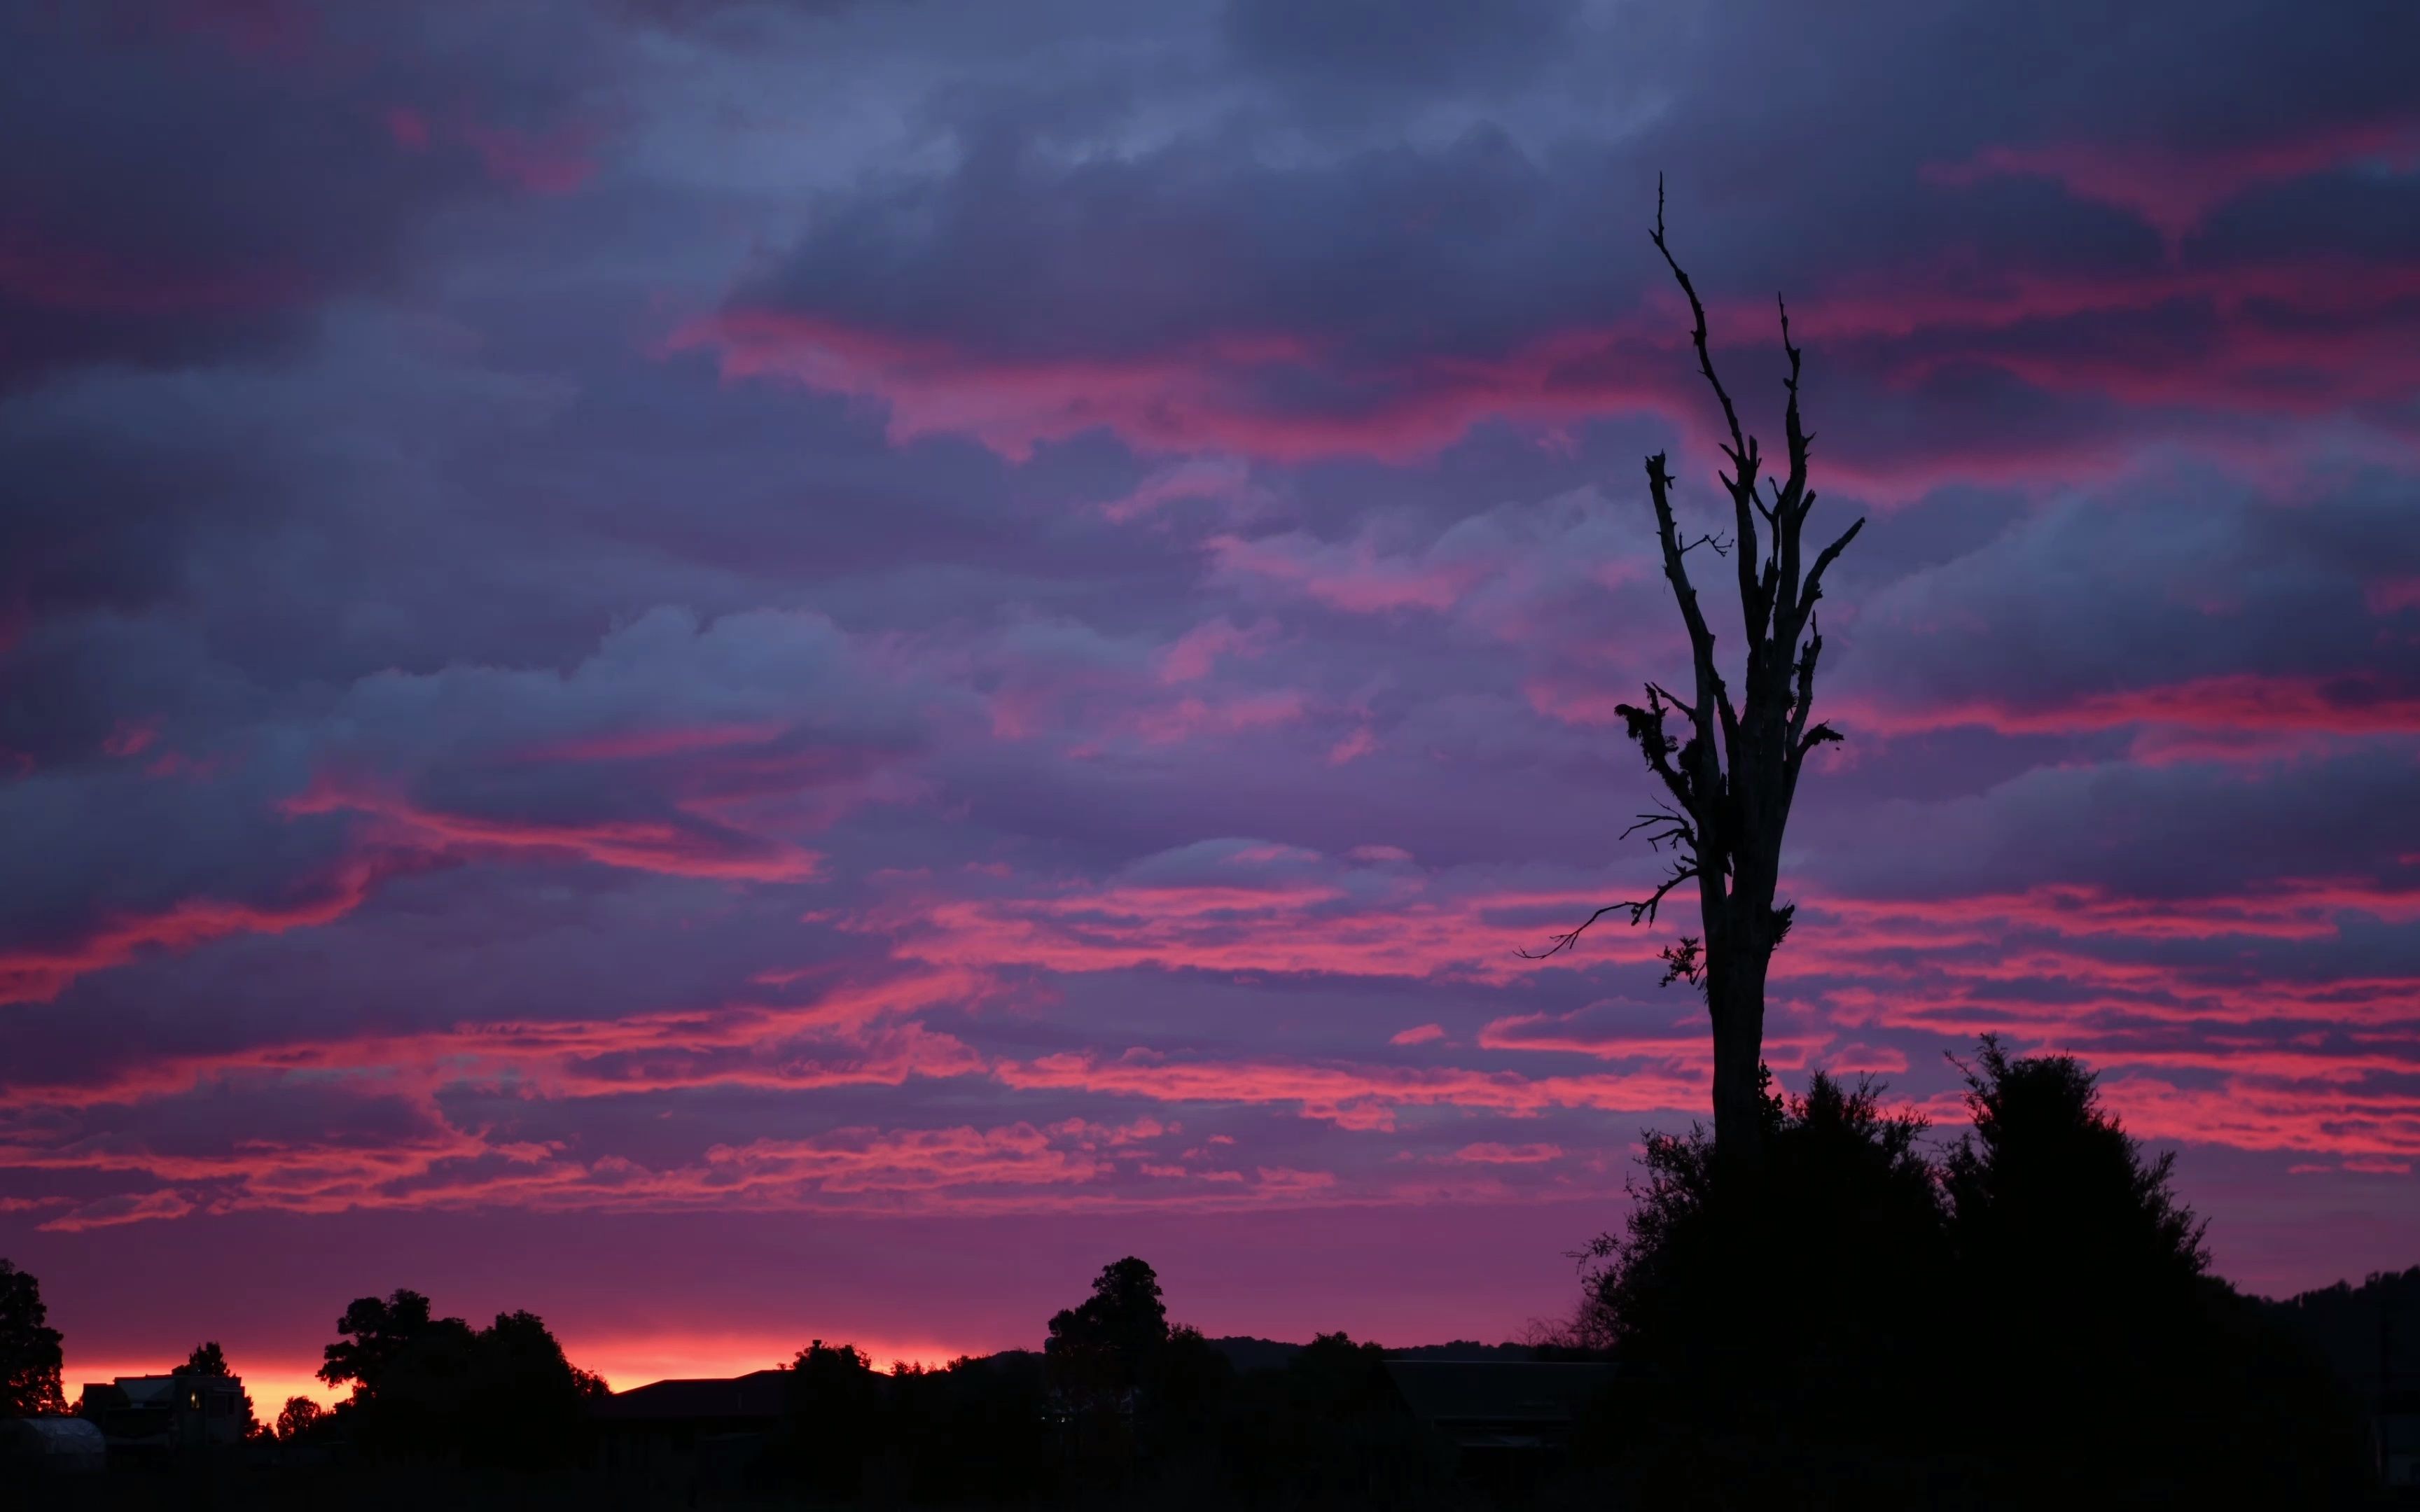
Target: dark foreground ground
[1869,1488]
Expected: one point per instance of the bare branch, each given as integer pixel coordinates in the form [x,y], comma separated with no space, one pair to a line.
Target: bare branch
[1657,691]
[1667,830]
[1641,909]
[1713,700]
[1743,450]
[1804,699]
[1815,578]
[1738,447]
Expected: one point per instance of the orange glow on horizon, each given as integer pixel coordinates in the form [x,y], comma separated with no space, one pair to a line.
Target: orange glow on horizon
[624,1361]
[635,1360]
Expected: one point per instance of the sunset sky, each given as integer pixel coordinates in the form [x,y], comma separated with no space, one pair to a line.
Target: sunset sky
[741,671]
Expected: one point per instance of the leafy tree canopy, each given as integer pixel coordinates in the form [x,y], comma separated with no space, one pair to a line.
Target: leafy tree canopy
[30,1358]
[206,1359]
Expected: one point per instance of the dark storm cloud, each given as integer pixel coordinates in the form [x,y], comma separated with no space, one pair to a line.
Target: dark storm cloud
[1425,46]
[180,192]
[1982,298]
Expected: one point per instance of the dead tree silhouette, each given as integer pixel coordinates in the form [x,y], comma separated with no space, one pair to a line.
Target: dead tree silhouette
[1731,781]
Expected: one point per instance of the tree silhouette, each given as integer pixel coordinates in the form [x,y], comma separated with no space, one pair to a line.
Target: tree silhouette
[209,1360]
[835,1416]
[206,1359]
[2099,1333]
[2050,1190]
[299,1416]
[2078,1245]
[374,1331]
[1109,1344]
[1730,779]
[503,1395]
[29,1349]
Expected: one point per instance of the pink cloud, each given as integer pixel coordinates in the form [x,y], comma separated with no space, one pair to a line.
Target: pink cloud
[2174,191]
[1355,577]
[853,1033]
[683,845]
[409,127]
[109,1213]
[1288,1179]
[2241,715]
[560,160]
[1353,1097]
[647,744]
[2286,338]
[1225,480]
[39,972]
[2392,596]
[1575,704]
[553,162]
[1182,402]
[1189,718]
[1194,652]
[131,737]
[1496,1154]
[1352,747]
[1380,924]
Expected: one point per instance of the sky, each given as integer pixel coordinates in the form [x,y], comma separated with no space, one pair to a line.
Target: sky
[744,671]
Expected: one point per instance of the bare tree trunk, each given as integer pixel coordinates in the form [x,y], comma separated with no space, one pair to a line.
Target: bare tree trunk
[1732,777]
[1735,1002]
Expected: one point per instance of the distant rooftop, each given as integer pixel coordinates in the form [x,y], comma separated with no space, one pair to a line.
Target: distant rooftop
[756,1395]
[1504,1403]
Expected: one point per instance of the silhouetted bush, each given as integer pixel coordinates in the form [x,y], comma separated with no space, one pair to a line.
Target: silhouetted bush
[973,1430]
[1789,1301]
[429,1387]
[2030,1319]
[2098,1335]
[1327,1428]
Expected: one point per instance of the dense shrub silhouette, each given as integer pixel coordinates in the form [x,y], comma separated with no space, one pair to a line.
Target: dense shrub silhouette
[973,1430]
[436,1388]
[1780,1298]
[2031,1319]
[988,1415]
[1327,1428]
[2099,1333]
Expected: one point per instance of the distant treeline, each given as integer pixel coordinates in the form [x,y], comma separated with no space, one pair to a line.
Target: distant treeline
[1870,1316]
